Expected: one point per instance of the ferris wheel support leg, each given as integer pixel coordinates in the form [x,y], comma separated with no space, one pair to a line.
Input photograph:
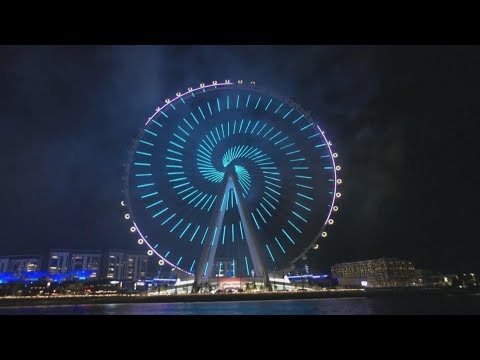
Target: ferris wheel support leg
[206,261]
[257,259]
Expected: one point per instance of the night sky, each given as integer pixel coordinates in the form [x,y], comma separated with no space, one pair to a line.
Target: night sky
[401,118]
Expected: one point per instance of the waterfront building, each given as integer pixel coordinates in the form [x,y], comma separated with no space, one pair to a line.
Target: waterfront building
[124,265]
[383,272]
[24,263]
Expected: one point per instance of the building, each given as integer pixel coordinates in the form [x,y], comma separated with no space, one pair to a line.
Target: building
[382,272]
[86,260]
[21,263]
[4,261]
[58,262]
[123,265]
[135,266]
[64,261]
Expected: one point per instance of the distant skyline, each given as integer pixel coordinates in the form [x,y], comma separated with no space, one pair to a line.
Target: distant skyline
[401,118]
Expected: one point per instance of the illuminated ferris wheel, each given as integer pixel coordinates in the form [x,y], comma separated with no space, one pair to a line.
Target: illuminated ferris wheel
[230,170]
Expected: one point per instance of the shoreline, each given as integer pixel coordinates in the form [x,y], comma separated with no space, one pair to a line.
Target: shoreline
[193,298]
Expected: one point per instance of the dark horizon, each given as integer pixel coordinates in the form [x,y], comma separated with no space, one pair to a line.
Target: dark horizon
[394,114]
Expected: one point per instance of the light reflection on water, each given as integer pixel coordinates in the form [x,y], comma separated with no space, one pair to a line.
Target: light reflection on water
[344,306]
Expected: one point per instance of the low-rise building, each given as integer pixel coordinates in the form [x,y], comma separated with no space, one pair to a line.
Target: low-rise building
[383,272]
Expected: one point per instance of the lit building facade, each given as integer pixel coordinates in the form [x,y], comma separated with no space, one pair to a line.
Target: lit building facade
[64,261]
[135,266]
[58,261]
[384,272]
[123,265]
[86,260]
[24,263]
[4,264]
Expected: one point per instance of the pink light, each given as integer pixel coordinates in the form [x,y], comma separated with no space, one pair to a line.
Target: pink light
[155,251]
[185,93]
[334,172]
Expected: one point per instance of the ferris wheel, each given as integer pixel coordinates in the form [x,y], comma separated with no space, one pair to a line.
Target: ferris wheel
[230,170]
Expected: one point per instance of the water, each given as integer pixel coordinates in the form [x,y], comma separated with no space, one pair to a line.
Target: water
[411,304]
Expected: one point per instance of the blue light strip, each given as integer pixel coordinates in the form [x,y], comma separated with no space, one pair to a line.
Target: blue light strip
[201,112]
[259,213]
[176,225]
[299,216]
[195,198]
[188,123]
[214,234]
[263,127]
[279,141]
[205,271]
[152,205]
[268,248]
[266,193]
[258,102]
[264,208]
[199,201]
[305,196]
[146,142]
[233,233]
[206,202]
[194,118]
[269,203]
[305,186]
[168,219]
[251,132]
[195,233]
[174,152]
[143,153]
[268,104]
[268,132]
[160,212]
[306,126]
[157,123]
[204,235]
[209,108]
[179,137]
[145,185]
[296,228]
[279,107]
[303,206]
[246,265]
[184,231]
[151,132]
[256,223]
[223,236]
[286,146]
[148,195]
[212,202]
[288,113]
[191,267]
[288,236]
[281,247]
[180,259]
[297,119]
[241,229]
